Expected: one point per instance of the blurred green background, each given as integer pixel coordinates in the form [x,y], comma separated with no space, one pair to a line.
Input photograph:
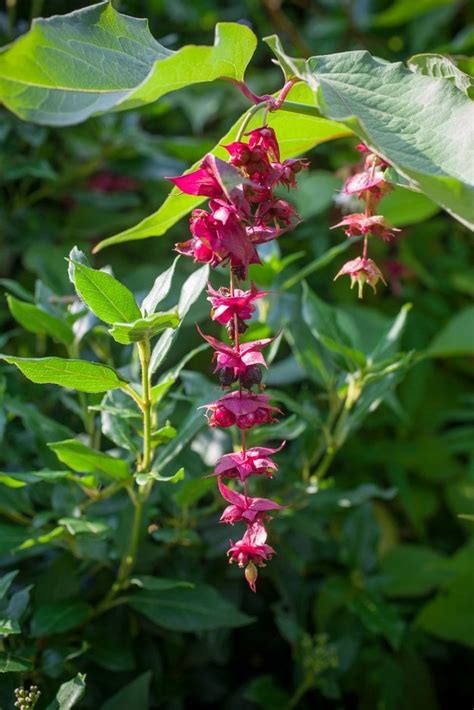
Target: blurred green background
[370,601]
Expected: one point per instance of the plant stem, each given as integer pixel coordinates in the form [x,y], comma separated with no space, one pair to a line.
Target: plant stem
[144,353]
[248,117]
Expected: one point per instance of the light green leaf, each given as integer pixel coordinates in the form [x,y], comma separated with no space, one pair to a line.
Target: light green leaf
[419,124]
[110,300]
[143,478]
[11,482]
[69,693]
[198,609]
[94,60]
[296,136]
[82,459]
[411,570]
[8,627]
[436,65]
[79,375]
[58,617]
[456,339]
[84,526]
[159,290]
[36,320]
[133,695]
[14,664]
[144,328]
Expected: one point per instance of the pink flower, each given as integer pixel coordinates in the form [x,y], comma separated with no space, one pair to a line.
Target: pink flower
[370,180]
[239,359]
[360,224]
[265,137]
[251,550]
[243,464]
[275,211]
[225,306]
[243,508]
[285,173]
[362,270]
[245,409]
[213,178]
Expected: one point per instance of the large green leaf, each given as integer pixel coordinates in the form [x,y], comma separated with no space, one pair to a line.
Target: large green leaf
[420,124]
[78,375]
[133,695]
[198,609]
[81,458]
[296,136]
[58,617]
[94,60]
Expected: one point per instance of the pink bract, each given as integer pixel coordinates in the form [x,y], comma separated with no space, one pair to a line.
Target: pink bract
[239,359]
[361,224]
[225,306]
[243,508]
[243,464]
[361,271]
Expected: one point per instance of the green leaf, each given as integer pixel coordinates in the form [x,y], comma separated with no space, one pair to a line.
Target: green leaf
[378,617]
[69,693]
[11,482]
[402,11]
[411,570]
[449,615]
[144,328]
[106,297]
[428,117]
[79,375]
[143,478]
[402,207]
[456,338]
[199,609]
[84,526]
[82,459]
[133,695]
[296,135]
[14,664]
[36,320]
[5,582]
[159,584]
[159,290]
[58,617]
[436,65]
[190,292]
[94,60]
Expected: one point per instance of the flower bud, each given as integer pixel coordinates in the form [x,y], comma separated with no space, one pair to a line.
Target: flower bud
[251,376]
[251,574]
[241,327]
[247,421]
[201,252]
[227,376]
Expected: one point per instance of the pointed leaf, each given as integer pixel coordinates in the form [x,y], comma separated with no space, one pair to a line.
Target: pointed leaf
[144,328]
[78,375]
[94,60]
[106,297]
[159,290]
[82,459]
[69,693]
[36,320]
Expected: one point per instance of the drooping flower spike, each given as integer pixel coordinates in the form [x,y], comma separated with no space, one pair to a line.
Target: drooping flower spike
[370,185]
[243,212]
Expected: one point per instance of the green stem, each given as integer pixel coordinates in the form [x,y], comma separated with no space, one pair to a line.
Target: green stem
[305,109]
[144,353]
[248,117]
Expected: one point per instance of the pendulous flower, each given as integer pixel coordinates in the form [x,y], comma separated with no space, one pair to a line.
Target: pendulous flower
[225,306]
[244,509]
[238,359]
[256,461]
[360,224]
[362,271]
[245,409]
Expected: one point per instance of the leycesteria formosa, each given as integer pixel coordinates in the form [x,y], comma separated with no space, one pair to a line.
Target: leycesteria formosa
[242,213]
[369,185]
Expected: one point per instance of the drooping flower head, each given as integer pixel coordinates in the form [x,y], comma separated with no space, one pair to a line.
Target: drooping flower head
[251,551]
[239,359]
[362,271]
[360,224]
[256,461]
[245,409]
[225,306]
[243,508]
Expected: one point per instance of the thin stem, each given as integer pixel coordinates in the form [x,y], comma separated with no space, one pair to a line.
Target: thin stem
[144,353]
[247,118]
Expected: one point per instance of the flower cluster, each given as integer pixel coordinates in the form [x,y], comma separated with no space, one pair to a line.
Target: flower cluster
[243,212]
[369,185]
